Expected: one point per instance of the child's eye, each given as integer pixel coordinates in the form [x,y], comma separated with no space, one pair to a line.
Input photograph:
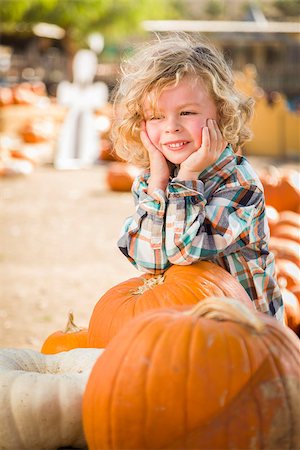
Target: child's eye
[187,113]
[157,117]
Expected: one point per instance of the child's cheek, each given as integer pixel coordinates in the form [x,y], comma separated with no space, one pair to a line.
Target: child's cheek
[152,133]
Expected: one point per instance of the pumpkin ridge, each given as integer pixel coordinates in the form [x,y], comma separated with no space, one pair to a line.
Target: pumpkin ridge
[251,384]
[157,349]
[113,384]
[205,282]
[193,341]
[233,398]
[281,378]
[164,300]
[224,411]
[289,409]
[242,392]
[154,346]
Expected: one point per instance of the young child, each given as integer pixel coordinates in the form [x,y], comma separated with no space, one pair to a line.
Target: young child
[180,117]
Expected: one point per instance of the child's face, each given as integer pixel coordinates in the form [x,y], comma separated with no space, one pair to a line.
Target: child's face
[175,128]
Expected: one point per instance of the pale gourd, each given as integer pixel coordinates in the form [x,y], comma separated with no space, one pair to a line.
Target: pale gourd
[41,398]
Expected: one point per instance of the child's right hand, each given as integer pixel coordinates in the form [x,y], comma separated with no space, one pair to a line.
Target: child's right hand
[159,168]
[213,144]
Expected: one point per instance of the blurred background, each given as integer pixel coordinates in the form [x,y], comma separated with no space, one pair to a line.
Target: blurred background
[40,38]
[59,62]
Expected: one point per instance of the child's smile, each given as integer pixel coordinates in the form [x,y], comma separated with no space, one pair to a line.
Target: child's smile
[175,127]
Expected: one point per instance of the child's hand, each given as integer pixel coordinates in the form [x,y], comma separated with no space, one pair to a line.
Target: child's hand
[213,144]
[159,168]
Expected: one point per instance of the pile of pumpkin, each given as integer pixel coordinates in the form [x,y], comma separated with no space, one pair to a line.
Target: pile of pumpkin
[179,360]
[282,193]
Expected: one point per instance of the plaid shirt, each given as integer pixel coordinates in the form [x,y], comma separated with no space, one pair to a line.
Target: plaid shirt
[220,217]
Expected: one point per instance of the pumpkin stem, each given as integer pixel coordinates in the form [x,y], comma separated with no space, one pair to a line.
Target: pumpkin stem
[71,327]
[227,309]
[148,284]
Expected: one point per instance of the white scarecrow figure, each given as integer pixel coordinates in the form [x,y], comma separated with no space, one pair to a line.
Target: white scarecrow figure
[78,142]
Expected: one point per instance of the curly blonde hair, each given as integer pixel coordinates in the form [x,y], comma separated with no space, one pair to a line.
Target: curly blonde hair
[161,63]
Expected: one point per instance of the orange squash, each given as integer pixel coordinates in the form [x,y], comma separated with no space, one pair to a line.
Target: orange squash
[287,232]
[285,249]
[289,218]
[120,176]
[62,341]
[291,310]
[287,272]
[6,96]
[296,291]
[179,285]
[272,216]
[218,376]
[281,189]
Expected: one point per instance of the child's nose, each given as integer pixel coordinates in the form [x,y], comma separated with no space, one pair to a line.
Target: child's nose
[172,125]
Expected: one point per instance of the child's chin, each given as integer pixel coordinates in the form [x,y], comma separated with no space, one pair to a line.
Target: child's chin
[177,161]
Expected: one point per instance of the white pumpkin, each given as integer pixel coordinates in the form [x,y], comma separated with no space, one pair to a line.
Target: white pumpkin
[41,398]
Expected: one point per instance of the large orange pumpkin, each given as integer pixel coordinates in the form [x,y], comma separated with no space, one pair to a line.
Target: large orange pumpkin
[218,376]
[179,285]
[281,189]
[62,341]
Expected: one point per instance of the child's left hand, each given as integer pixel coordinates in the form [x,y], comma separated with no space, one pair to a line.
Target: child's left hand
[213,144]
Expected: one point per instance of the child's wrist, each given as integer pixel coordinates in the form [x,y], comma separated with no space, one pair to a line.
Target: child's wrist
[154,184]
[187,175]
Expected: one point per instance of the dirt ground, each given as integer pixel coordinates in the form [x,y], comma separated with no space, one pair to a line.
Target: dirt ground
[58,252]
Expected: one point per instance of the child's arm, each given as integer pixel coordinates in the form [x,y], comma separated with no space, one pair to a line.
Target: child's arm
[142,238]
[159,169]
[200,230]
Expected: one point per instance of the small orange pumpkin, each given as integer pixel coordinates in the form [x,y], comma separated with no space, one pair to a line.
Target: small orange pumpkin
[296,291]
[217,376]
[285,249]
[62,341]
[287,271]
[120,176]
[287,232]
[272,216]
[289,218]
[291,310]
[179,285]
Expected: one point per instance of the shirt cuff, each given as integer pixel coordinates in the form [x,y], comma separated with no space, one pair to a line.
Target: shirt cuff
[154,204]
[191,188]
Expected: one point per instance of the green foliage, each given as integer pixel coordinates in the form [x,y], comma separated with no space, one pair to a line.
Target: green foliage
[113,18]
[289,8]
[214,8]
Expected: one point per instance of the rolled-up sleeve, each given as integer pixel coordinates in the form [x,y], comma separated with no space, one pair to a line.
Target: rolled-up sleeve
[142,238]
